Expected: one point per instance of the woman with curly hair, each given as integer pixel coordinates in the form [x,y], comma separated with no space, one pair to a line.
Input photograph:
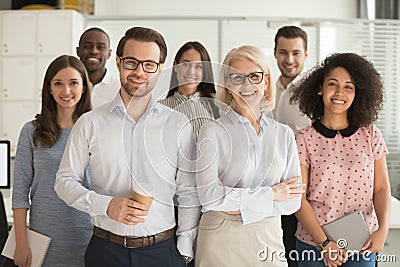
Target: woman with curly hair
[343,158]
[65,97]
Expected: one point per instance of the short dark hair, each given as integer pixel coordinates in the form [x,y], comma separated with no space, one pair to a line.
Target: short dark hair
[143,35]
[291,32]
[368,100]
[94,29]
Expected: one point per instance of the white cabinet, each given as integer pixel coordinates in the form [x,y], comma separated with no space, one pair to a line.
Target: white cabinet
[42,65]
[18,31]
[54,33]
[30,40]
[15,114]
[19,78]
[40,32]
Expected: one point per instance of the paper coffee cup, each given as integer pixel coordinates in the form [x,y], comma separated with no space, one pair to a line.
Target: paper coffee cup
[143,194]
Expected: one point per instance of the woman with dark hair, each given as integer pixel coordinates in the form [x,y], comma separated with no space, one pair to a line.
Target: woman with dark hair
[192,85]
[65,97]
[343,158]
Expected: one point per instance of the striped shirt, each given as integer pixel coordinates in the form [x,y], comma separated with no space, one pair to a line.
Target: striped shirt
[196,108]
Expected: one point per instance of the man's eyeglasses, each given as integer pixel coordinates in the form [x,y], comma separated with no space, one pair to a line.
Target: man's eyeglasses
[130,63]
[239,78]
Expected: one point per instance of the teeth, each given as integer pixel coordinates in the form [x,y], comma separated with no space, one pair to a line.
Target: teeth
[66,99]
[93,59]
[338,101]
[247,93]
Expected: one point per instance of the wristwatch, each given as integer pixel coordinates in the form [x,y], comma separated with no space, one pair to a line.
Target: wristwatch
[322,246]
[187,259]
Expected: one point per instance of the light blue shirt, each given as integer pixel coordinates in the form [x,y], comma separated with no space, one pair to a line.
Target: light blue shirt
[121,152]
[236,167]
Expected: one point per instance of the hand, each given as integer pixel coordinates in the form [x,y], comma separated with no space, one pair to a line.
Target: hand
[23,255]
[375,242]
[334,255]
[126,210]
[233,212]
[288,189]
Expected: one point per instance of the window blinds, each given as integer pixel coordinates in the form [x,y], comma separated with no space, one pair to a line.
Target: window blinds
[379,41]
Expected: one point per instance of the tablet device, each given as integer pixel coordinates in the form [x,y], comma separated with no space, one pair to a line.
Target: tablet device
[349,232]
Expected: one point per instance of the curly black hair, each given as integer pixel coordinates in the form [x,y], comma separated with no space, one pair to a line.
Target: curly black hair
[369,92]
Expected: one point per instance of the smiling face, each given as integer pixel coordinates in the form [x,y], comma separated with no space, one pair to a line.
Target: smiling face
[137,82]
[246,94]
[94,50]
[66,88]
[290,56]
[189,72]
[338,92]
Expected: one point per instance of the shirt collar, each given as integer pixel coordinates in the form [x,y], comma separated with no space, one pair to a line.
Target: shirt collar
[107,78]
[118,104]
[235,118]
[329,133]
[292,83]
[182,98]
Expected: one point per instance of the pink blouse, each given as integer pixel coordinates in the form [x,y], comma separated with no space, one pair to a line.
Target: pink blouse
[341,172]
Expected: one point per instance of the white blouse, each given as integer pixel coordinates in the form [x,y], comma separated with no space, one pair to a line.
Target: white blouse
[236,167]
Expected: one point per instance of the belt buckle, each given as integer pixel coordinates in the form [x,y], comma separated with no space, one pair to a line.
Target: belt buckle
[125,243]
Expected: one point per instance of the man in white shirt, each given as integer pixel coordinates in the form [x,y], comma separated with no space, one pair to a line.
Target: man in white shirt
[290,52]
[94,51]
[130,140]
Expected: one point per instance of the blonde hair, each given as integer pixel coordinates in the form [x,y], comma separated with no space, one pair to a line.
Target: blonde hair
[257,56]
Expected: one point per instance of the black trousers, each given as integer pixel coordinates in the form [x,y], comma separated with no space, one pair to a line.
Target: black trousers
[289,227]
[102,253]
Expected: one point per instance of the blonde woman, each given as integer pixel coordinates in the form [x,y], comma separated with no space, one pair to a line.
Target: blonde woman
[247,171]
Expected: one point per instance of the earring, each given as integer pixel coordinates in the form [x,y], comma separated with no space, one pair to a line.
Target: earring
[319,93]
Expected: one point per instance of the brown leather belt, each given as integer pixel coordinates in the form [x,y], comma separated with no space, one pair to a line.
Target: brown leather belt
[132,241]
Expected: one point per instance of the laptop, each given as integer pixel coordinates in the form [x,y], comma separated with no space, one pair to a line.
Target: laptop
[349,232]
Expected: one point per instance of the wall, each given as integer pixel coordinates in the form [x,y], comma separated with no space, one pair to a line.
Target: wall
[338,9]
[5,4]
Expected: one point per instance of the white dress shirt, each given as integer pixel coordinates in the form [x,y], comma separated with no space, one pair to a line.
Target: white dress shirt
[285,112]
[105,91]
[236,167]
[120,152]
